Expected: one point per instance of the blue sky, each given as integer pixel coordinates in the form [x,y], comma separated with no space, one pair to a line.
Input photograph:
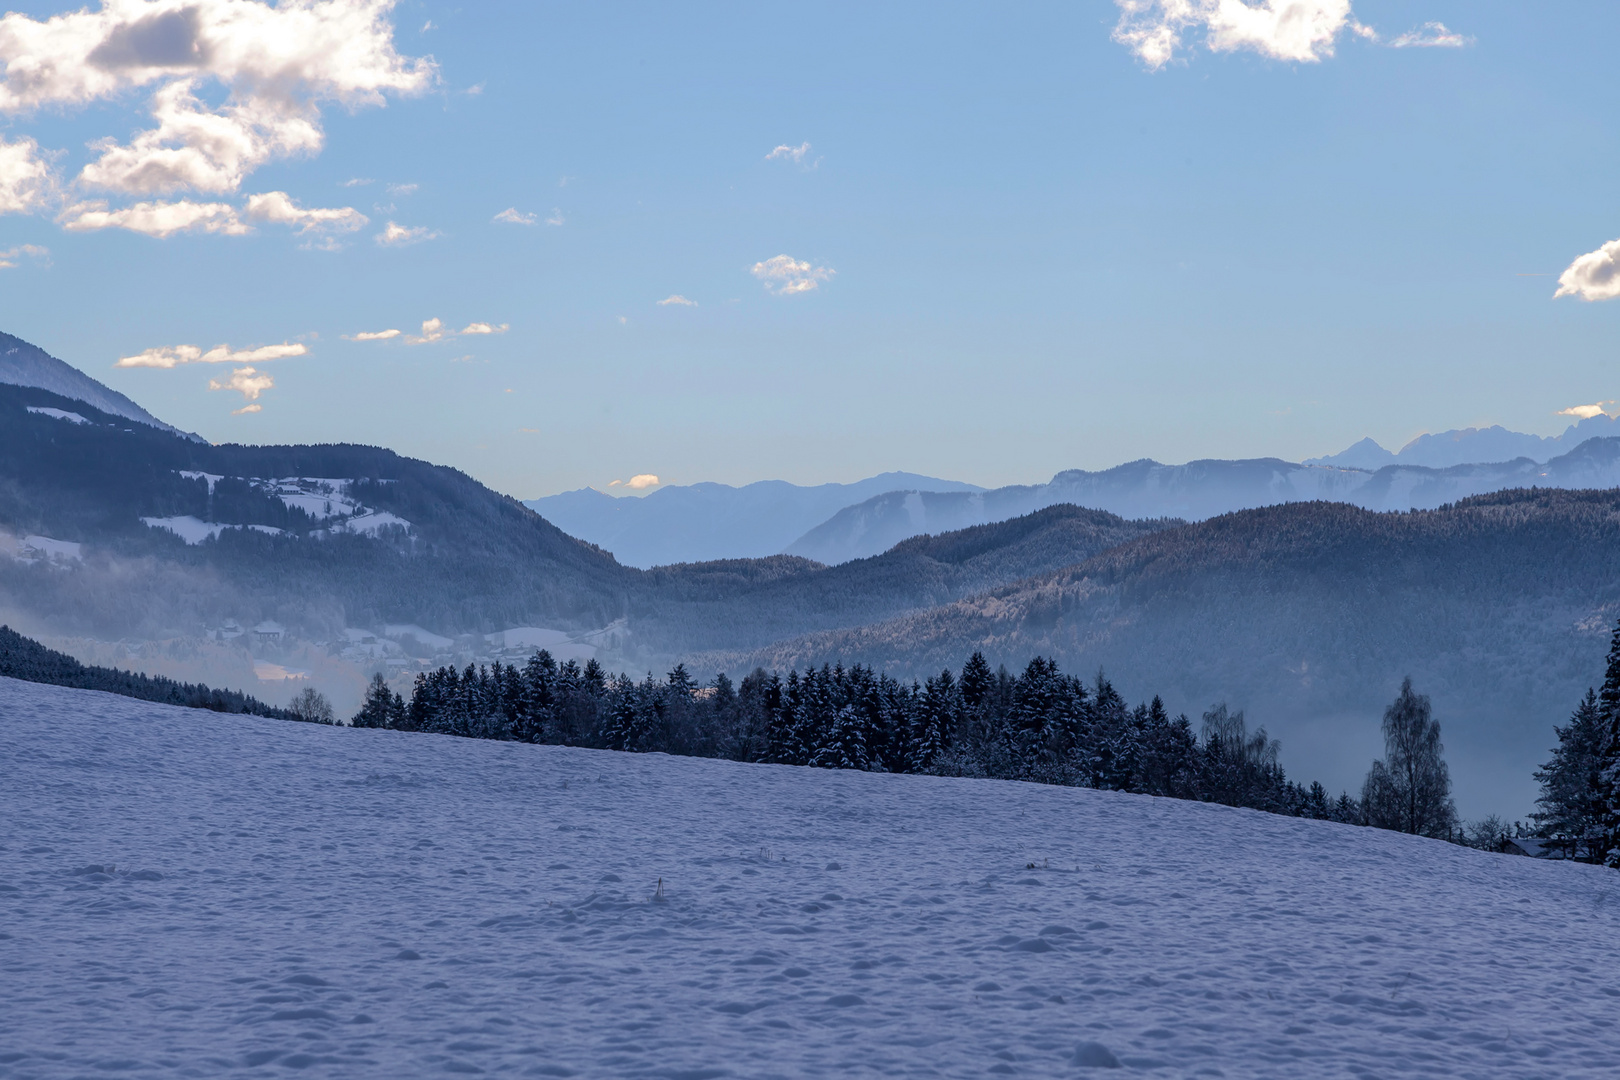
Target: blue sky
[1014,244]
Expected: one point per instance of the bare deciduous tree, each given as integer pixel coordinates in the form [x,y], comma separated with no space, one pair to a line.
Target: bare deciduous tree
[1410,790]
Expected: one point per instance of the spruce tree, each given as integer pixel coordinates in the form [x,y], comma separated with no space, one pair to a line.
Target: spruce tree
[1571,803]
[378,706]
[1607,836]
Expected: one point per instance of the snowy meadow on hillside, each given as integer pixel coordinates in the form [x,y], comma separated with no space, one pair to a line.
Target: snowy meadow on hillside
[188,894]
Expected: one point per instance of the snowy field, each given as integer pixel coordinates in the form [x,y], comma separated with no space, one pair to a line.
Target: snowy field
[183,894]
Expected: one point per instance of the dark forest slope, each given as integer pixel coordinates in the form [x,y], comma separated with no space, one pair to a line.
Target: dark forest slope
[1497,606]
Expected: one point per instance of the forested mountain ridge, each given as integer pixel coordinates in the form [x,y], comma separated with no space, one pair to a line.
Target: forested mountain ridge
[1308,612]
[748,603]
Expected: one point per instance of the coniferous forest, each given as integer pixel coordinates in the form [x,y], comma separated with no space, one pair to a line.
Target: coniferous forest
[1039,725]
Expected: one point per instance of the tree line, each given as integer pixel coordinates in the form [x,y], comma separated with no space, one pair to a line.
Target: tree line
[26,659]
[1040,725]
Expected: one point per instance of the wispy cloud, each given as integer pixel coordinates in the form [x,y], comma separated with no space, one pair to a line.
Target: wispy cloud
[432,330]
[246,409]
[555,218]
[357,181]
[246,381]
[1585,412]
[402,190]
[171,356]
[1593,276]
[397,235]
[157,219]
[677,300]
[321,226]
[784,275]
[1304,31]
[795,154]
[1431,35]
[513,216]
[9,257]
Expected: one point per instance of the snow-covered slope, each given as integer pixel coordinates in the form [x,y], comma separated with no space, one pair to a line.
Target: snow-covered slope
[189,894]
[24,364]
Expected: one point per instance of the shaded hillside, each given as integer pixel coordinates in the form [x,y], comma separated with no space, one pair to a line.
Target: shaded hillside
[1497,606]
[371,537]
[744,604]
[23,364]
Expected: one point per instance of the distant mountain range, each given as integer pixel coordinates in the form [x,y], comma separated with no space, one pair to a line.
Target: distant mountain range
[1466,446]
[1198,490]
[700,522]
[834,523]
[23,364]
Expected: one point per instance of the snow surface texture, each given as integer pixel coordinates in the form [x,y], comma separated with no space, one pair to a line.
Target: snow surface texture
[184,894]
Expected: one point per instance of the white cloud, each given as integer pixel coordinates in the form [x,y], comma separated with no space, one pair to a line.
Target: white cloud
[556,217]
[322,226]
[357,181]
[432,330]
[170,356]
[26,183]
[639,482]
[155,218]
[372,335]
[1431,35]
[785,275]
[270,67]
[1593,276]
[255,407]
[485,328]
[1299,30]
[8,258]
[195,148]
[402,190]
[678,300]
[245,380]
[1585,412]
[396,235]
[795,154]
[513,216]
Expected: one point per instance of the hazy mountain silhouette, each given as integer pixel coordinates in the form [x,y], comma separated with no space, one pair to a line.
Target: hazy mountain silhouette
[701,522]
[1198,490]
